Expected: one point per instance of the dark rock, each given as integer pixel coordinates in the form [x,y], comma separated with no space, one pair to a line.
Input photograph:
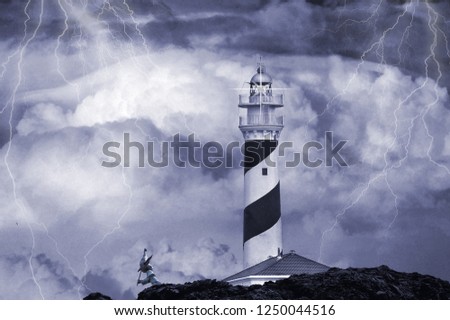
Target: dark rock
[380,283]
[96,296]
[352,283]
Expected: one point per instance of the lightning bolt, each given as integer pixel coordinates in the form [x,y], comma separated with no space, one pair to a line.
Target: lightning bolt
[112,231]
[378,47]
[433,25]
[11,103]
[58,44]
[66,260]
[107,6]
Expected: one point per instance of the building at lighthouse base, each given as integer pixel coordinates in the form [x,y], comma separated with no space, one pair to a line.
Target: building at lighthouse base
[276,268]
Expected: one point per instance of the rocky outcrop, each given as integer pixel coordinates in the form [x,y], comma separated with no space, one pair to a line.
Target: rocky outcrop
[351,283]
[96,296]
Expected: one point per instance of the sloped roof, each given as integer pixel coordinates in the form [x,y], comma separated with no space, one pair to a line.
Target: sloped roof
[287,264]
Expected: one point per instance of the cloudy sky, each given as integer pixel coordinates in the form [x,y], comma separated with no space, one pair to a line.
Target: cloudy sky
[77,74]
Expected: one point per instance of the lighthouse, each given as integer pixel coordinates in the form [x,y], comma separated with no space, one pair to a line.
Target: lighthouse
[261,122]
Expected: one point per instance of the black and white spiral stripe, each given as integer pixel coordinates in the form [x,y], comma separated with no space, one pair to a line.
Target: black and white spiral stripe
[262,213]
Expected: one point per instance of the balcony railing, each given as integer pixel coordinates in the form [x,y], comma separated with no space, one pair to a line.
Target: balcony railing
[261,99]
[263,119]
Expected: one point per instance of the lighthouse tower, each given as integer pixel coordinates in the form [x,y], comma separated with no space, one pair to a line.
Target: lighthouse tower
[261,122]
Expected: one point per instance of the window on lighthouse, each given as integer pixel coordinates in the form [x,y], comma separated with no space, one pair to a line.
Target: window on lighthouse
[264,171]
[264,89]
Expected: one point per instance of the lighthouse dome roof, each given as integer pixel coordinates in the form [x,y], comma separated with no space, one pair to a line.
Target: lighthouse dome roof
[261,76]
